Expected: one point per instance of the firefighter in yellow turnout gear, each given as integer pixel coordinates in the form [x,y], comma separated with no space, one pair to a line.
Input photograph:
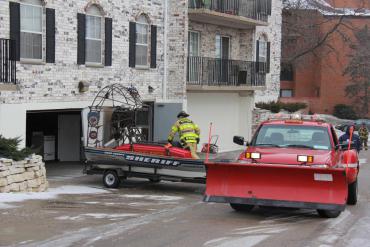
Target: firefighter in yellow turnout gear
[188,132]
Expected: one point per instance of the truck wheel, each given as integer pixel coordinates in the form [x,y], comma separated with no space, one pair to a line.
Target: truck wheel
[242,207]
[352,193]
[329,213]
[111,179]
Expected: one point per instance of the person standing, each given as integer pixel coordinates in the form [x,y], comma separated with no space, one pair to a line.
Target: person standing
[364,135]
[188,132]
[345,138]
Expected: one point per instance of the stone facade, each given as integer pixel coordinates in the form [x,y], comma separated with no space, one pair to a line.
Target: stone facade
[273,34]
[243,46]
[177,26]
[241,40]
[28,175]
[59,82]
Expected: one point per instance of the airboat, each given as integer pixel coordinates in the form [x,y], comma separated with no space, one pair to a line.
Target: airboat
[115,146]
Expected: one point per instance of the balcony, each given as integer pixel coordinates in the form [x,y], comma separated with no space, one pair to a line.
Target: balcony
[239,14]
[7,62]
[212,74]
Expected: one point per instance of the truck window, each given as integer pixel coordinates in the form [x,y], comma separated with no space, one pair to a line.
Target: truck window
[298,136]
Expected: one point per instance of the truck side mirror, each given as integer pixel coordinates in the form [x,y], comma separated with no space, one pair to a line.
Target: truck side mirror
[239,140]
[344,145]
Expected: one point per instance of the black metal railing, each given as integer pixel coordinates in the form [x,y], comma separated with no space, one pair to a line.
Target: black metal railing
[254,9]
[225,72]
[7,61]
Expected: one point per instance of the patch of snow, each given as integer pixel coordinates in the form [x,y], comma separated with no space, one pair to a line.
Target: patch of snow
[362,161]
[332,223]
[93,203]
[7,198]
[96,216]
[155,198]
[25,242]
[210,242]
[266,230]
[325,8]
[245,241]
[328,239]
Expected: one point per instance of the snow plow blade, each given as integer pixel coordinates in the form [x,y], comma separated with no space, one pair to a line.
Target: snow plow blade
[276,185]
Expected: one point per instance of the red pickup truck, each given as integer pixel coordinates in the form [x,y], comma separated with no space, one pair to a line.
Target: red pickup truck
[291,161]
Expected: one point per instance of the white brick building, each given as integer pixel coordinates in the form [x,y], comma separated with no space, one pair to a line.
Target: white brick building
[234,60]
[92,43]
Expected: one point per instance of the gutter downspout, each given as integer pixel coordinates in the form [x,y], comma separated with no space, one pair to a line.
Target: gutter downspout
[164,83]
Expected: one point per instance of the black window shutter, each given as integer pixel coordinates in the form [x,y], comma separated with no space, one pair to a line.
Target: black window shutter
[15,27]
[50,35]
[81,26]
[268,60]
[259,6]
[132,45]
[108,42]
[153,49]
[258,56]
[269,7]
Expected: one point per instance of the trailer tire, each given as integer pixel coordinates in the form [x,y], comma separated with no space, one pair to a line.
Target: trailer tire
[242,207]
[329,213]
[111,179]
[352,193]
[154,180]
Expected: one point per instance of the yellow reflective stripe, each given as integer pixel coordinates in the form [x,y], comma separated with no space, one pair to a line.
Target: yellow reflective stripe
[186,126]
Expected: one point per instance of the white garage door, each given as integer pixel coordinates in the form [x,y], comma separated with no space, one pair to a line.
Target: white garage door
[230,114]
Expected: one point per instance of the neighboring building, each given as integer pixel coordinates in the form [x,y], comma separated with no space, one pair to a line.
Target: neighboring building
[318,79]
[62,53]
[233,61]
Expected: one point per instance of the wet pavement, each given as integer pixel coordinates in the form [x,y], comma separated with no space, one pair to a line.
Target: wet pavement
[79,211]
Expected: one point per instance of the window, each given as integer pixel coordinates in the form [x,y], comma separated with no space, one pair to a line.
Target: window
[94,40]
[222,47]
[263,55]
[306,137]
[142,40]
[286,93]
[286,73]
[31,30]
[194,43]
[262,51]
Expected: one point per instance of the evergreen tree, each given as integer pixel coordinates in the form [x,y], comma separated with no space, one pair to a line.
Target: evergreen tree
[358,69]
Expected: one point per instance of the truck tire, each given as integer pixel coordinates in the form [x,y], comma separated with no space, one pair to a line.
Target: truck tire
[242,207]
[352,193]
[111,179]
[329,213]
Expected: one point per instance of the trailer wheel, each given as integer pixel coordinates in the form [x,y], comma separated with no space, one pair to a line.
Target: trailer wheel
[111,179]
[241,207]
[154,180]
[352,193]
[329,213]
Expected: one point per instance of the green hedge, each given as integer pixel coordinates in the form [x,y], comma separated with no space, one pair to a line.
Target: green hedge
[9,149]
[344,112]
[276,106]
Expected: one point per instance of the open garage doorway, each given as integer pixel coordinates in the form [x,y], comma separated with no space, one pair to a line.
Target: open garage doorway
[55,135]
